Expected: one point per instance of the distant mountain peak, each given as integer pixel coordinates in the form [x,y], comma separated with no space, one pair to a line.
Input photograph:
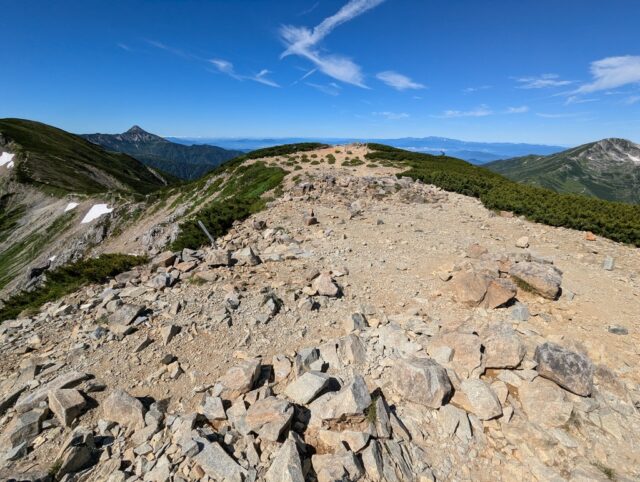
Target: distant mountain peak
[138,134]
[136,129]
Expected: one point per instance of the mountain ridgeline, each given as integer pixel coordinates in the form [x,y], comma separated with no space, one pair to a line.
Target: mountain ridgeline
[608,169]
[182,161]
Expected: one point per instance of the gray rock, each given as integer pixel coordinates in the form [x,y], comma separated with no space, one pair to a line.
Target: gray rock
[66,380]
[572,371]
[66,404]
[307,387]
[520,312]
[217,464]
[541,278]
[286,466]
[614,329]
[503,349]
[23,429]
[126,314]
[483,400]
[545,403]
[372,461]
[609,263]
[218,257]
[246,257]
[8,399]
[304,359]
[337,467]
[168,332]
[212,408]
[422,381]
[351,401]
[239,379]
[122,408]
[269,418]
[76,452]
[324,286]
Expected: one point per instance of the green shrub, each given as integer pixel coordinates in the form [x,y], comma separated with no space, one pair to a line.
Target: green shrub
[616,221]
[67,279]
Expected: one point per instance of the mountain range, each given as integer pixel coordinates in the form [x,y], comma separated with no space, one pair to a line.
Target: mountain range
[182,161]
[608,169]
[474,152]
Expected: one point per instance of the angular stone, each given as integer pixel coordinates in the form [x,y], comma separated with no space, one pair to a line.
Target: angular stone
[467,350]
[572,371]
[351,350]
[613,329]
[218,257]
[499,293]
[543,279]
[247,257]
[383,421]
[23,429]
[483,400]
[163,260]
[503,349]
[122,408]
[351,401]
[307,387]
[286,466]
[281,367]
[522,242]
[217,464]
[337,467]
[468,288]
[66,404]
[422,381]
[212,408]
[66,380]
[8,399]
[126,314]
[545,403]
[476,251]
[269,418]
[520,312]
[168,332]
[372,461]
[239,379]
[609,263]
[324,286]
[76,452]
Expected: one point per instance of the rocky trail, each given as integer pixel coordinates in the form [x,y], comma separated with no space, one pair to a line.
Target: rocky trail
[362,327]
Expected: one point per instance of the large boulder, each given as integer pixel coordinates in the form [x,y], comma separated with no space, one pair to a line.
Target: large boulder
[350,402]
[482,399]
[239,379]
[33,399]
[126,314]
[541,278]
[286,466]
[122,408]
[545,403]
[307,387]
[468,288]
[217,464]
[503,348]
[218,257]
[76,452]
[500,292]
[422,381]
[572,371]
[269,418]
[66,404]
[324,286]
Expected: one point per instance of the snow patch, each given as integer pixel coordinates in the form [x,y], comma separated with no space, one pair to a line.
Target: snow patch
[6,158]
[70,206]
[95,212]
[10,165]
[52,258]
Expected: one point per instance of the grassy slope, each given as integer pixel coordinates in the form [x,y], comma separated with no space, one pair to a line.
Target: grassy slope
[617,221]
[60,162]
[566,172]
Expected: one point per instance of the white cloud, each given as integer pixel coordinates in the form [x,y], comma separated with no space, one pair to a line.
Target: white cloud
[124,46]
[227,68]
[632,100]
[542,82]
[574,99]
[392,115]
[303,41]
[481,111]
[329,89]
[612,72]
[471,90]
[555,116]
[398,81]
[517,110]
[261,77]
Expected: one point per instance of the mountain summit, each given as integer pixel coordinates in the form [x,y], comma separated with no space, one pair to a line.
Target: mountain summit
[608,169]
[185,162]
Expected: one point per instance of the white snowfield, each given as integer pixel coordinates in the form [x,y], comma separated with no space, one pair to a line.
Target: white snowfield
[70,206]
[95,212]
[6,158]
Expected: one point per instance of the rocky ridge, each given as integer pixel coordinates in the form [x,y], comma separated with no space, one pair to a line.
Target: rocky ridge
[349,332]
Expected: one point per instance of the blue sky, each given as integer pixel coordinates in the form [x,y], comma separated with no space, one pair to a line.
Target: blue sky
[547,71]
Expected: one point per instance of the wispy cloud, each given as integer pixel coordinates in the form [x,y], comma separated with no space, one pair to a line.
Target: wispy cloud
[481,111]
[555,116]
[332,88]
[574,99]
[227,68]
[124,46]
[398,81]
[611,73]
[634,99]
[542,82]
[471,90]
[303,41]
[309,10]
[171,50]
[517,110]
[392,115]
